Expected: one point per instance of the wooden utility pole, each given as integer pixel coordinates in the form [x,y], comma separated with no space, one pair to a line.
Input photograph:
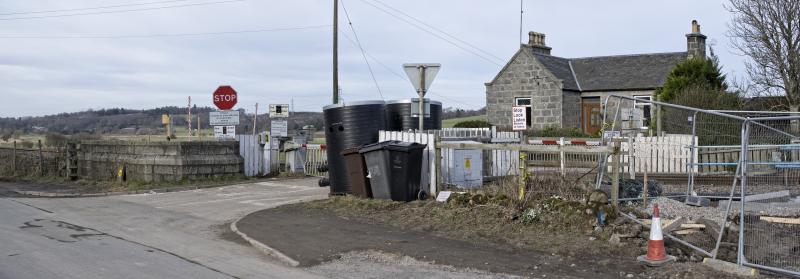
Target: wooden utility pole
[189,118]
[335,51]
[14,160]
[41,162]
[255,120]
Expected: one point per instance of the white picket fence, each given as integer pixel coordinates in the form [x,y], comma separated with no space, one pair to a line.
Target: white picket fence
[316,156]
[666,154]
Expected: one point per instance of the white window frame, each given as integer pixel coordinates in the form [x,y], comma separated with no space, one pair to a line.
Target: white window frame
[642,105]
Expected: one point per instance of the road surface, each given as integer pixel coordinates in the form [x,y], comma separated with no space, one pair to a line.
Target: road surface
[169,235]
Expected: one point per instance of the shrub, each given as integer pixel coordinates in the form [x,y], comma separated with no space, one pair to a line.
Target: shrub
[473,124]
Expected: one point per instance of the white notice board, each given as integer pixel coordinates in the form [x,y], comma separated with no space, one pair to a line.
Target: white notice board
[519,119]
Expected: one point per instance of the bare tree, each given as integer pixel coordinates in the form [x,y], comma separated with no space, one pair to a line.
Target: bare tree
[768,31]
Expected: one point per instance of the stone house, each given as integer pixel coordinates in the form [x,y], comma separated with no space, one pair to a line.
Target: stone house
[568,92]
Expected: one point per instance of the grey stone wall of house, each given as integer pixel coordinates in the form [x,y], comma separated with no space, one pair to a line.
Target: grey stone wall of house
[519,79]
[158,161]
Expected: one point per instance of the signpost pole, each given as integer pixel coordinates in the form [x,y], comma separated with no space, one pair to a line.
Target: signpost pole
[421,98]
[255,120]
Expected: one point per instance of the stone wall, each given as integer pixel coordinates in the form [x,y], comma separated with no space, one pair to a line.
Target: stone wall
[158,161]
[519,79]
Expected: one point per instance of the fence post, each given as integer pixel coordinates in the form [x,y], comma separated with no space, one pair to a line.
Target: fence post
[522,174]
[561,156]
[438,163]
[644,189]
[615,165]
[14,160]
[41,162]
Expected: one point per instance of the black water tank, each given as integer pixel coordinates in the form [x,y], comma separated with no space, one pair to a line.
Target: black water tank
[349,125]
[398,116]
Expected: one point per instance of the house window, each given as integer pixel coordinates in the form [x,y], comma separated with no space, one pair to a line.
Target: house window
[645,107]
[525,102]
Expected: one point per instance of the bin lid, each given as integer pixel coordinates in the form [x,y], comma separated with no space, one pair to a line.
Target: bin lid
[405,146]
[376,146]
[350,150]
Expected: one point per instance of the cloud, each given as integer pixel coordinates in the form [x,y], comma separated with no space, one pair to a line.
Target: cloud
[47,76]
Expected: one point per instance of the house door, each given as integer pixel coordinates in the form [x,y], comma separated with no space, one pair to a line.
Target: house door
[591,116]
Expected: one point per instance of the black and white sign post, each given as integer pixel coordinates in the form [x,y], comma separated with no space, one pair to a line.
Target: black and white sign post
[421,76]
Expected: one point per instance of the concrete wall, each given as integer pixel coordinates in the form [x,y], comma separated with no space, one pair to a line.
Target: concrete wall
[158,161]
[518,79]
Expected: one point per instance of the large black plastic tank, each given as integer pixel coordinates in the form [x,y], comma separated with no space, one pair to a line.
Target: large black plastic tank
[349,125]
[398,116]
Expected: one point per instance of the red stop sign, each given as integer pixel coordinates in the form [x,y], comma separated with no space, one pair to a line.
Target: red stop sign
[225,97]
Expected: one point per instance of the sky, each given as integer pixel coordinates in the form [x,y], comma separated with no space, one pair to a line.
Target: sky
[66,56]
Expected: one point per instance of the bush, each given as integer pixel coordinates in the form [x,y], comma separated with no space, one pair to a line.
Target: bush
[552,132]
[473,124]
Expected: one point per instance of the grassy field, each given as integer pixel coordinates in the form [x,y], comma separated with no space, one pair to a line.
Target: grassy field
[448,123]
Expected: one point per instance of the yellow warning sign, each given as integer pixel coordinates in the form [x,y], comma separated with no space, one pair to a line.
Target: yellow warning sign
[467,163]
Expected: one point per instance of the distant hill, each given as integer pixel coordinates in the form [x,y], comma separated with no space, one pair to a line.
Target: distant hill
[148,121]
[129,121]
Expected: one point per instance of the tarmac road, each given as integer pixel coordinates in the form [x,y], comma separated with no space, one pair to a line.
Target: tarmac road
[169,235]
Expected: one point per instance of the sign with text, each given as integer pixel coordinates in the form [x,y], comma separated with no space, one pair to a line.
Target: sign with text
[519,118]
[223,118]
[225,97]
[279,128]
[279,110]
[225,132]
[415,108]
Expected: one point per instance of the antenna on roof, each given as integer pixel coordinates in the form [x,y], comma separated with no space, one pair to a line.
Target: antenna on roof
[521,11]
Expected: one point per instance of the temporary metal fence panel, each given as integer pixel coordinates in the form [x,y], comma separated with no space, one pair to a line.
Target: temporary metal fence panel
[32,162]
[770,223]
[665,141]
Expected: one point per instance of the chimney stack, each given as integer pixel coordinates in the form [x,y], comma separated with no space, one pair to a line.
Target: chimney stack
[696,42]
[536,41]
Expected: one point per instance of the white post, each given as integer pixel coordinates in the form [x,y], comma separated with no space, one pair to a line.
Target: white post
[562,156]
[421,98]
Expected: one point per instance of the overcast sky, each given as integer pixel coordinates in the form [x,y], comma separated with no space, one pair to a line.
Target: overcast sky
[41,72]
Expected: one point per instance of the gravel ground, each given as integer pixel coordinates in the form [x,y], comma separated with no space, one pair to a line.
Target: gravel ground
[374,264]
[672,209]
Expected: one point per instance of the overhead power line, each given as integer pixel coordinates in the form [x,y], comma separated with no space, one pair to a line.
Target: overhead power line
[162,35]
[363,52]
[122,11]
[403,77]
[93,8]
[484,57]
[439,30]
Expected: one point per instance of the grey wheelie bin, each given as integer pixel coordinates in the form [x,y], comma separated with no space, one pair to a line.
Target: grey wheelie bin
[395,168]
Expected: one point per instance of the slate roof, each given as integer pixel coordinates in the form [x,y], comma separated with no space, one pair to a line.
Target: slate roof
[607,73]
[560,68]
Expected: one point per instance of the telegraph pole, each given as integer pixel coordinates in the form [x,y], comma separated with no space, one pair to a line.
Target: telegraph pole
[335,51]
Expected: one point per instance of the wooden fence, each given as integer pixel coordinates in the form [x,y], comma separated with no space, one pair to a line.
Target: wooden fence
[32,162]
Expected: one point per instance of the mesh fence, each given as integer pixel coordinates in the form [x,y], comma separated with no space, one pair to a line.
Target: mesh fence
[689,157]
[771,183]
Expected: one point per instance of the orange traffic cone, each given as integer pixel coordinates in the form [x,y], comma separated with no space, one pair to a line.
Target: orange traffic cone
[656,253]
